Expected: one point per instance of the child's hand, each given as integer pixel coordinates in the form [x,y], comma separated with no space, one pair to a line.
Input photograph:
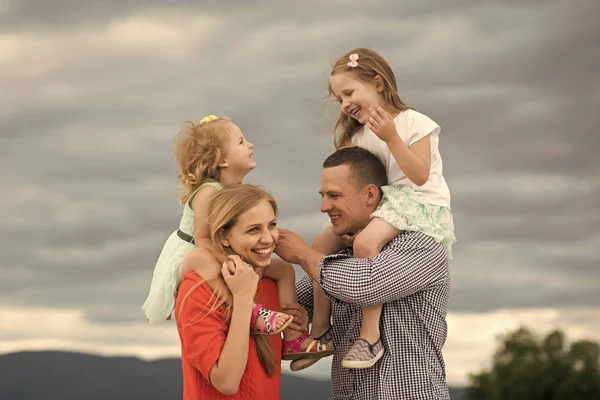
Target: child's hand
[240,278]
[382,124]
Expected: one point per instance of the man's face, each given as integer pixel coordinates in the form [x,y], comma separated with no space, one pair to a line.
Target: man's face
[348,208]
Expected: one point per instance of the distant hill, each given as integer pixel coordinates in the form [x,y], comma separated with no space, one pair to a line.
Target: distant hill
[54,375]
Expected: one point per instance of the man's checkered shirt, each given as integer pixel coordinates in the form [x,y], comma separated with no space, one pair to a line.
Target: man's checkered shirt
[410,277]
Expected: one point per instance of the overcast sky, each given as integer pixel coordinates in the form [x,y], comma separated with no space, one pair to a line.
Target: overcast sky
[93,93]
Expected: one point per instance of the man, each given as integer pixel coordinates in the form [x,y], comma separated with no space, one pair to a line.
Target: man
[409,277]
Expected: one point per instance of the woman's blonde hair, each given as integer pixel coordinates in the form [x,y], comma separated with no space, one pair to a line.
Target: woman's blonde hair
[368,65]
[199,148]
[225,208]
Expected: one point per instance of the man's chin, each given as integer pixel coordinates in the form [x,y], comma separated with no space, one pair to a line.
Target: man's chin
[340,230]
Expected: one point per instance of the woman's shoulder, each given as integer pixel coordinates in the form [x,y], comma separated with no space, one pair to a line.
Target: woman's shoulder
[191,278]
[190,281]
[196,299]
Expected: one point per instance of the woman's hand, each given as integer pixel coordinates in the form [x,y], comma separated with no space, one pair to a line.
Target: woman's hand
[226,374]
[239,277]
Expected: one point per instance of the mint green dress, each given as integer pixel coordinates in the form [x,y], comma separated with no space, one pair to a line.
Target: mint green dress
[161,299]
[401,208]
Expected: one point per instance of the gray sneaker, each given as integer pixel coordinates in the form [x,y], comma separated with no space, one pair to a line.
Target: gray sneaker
[363,354]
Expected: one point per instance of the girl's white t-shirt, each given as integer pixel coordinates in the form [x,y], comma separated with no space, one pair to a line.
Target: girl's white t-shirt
[412,126]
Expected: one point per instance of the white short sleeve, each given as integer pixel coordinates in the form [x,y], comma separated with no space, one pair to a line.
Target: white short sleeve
[419,126]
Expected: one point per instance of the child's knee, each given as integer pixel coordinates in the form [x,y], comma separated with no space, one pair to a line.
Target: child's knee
[364,246]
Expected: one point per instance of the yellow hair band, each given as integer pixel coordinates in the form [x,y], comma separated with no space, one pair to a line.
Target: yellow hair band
[208,119]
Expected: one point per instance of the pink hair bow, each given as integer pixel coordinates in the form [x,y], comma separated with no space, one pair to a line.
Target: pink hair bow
[353,58]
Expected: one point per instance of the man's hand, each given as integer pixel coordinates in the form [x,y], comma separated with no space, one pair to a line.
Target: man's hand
[290,246]
[300,322]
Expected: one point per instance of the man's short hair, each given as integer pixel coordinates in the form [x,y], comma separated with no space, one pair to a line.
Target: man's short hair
[365,168]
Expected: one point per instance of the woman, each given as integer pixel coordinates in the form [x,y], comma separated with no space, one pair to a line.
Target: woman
[220,359]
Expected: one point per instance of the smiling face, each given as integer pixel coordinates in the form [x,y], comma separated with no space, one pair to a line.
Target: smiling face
[348,207]
[254,234]
[238,154]
[355,95]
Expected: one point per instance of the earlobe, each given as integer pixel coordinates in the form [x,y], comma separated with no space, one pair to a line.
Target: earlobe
[223,164]
[373,194]
[223,239]
[379,83]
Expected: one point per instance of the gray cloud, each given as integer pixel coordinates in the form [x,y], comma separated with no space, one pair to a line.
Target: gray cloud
[93,94]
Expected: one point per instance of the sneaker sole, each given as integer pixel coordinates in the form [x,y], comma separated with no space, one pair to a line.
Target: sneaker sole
[362,364]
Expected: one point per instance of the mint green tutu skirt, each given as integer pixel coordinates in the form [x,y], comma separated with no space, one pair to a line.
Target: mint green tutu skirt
[167,274]
[401,208]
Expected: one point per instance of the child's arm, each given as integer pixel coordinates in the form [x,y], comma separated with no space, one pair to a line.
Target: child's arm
[201,230]
[200,205]
[415,161]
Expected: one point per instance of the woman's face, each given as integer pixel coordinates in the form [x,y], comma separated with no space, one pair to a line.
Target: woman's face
[254,235]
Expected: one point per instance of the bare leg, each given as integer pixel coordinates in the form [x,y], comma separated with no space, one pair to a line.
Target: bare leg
[368,243]
[321,311]
[284,275]
[326,243]
[369,328]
